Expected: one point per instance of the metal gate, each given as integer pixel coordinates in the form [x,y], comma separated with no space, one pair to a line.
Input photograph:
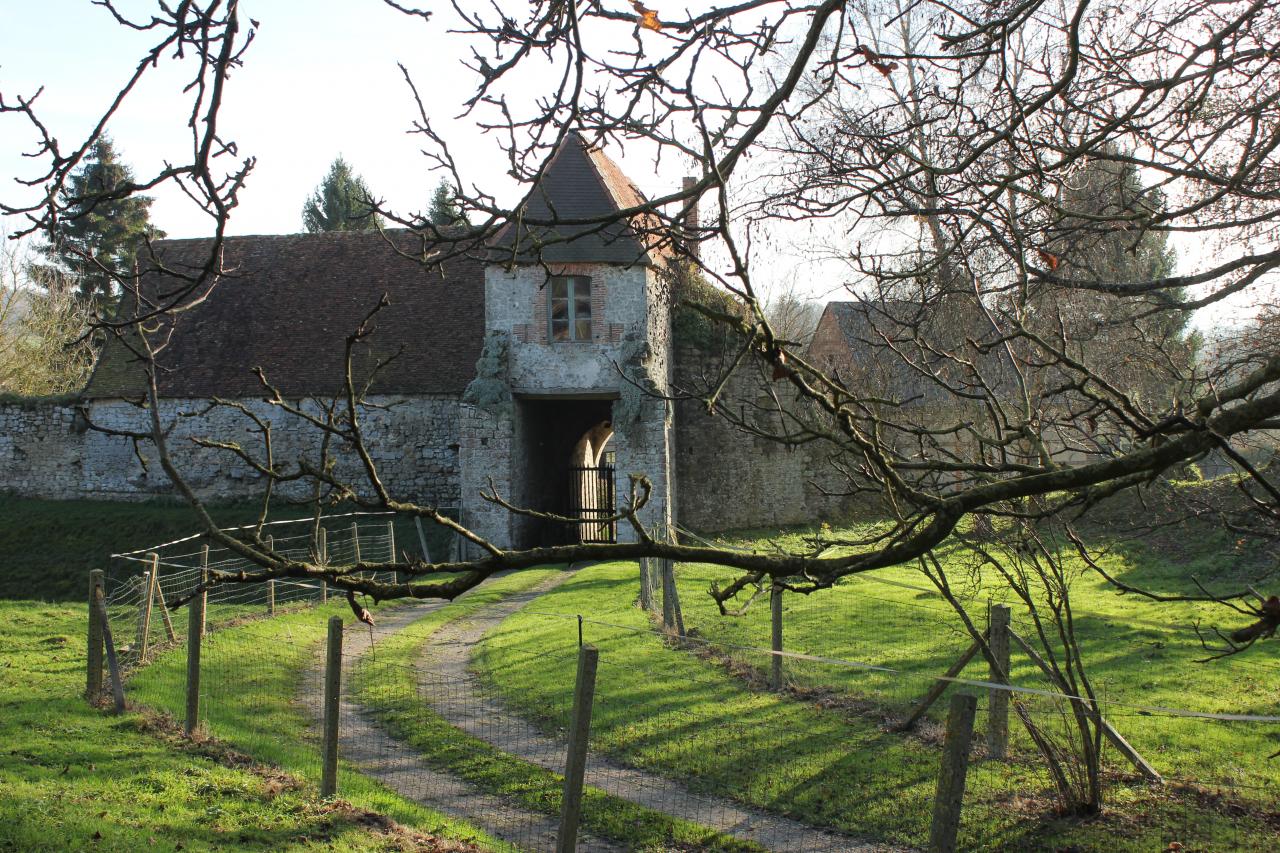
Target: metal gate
[591,501]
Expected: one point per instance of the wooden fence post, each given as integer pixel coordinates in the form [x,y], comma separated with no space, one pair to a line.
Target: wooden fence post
[204,588]
[271,598]
[951,776]
[775,619]
[157,593]
[324,546]
[93,686]
[166,617]
[575,764]
[675,599]
[998,701]
[646,586]
[391,541]
[355,541]
[195,630]
[113,665]
[144,616]
[422,538]
[332,686]
[324,592]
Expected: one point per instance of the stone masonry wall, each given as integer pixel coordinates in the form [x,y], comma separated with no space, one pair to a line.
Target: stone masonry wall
[729,479]
[41,449]
[47,451]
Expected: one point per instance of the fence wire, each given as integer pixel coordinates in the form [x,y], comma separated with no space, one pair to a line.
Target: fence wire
[680,757]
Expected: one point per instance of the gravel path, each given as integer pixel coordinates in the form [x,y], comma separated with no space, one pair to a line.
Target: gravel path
[447,658]
[363,742]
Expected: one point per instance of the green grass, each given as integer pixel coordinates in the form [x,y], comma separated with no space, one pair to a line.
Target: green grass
[1139,652]
[673,712]
[386,684]
[75,778]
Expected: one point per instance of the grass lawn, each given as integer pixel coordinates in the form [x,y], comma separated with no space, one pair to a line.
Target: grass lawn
[674,712]
[386,684]
[75,778]
[1141,653]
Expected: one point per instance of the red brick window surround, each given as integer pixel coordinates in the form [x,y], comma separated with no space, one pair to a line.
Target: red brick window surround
[570,309]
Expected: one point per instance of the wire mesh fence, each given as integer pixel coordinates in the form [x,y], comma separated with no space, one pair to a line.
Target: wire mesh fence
[680,755]
[142,584]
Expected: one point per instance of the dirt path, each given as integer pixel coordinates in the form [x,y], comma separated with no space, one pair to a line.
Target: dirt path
[384,758]
[447,656]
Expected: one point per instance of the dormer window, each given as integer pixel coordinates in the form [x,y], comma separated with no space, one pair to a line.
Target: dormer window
[570,308]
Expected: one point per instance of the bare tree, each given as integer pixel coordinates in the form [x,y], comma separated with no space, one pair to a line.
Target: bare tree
[46,346]
[949,132]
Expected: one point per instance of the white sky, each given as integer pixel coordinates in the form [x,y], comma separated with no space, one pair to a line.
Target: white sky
[320,80]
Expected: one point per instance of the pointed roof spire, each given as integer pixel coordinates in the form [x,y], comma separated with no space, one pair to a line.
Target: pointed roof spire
[579,183]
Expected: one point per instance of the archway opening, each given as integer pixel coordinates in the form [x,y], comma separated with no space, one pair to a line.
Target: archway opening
[554,438]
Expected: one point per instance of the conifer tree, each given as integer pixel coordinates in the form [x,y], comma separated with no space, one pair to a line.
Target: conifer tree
[99,236]
[342,202]
[444,207]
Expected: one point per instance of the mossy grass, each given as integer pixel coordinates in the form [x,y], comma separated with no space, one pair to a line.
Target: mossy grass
[76,778]
[680,713]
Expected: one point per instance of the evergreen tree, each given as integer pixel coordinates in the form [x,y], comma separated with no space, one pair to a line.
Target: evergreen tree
[98,232]
[342,202]
[1102,235]
[444,207]
[1104,213]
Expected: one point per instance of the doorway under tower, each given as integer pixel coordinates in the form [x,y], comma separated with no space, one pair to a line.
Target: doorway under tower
[563,465]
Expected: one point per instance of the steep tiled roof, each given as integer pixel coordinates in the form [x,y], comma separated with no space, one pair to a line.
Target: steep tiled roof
[287,305]
[581,183]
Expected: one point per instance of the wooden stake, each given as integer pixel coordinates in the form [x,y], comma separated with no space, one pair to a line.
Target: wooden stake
[355,540]
[271,598]
[204,586]
[164,614]
[324,592]
[113,665]
[391,541]
[195,631]
[775,619]
[938,688]
[148,596]
[93,685]
[672,617]
[332,686]
[422,539]
[646,586]
[576,759]
[1126,749]
[951,776]
[998,668]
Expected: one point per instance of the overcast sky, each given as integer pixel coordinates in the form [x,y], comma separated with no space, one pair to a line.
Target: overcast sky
[320,79]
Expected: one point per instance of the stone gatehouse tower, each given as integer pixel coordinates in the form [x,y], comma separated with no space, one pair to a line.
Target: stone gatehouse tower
[575,370]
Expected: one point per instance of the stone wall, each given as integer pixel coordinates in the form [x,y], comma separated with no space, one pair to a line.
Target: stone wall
[47,450]
[728,478]
[42,449]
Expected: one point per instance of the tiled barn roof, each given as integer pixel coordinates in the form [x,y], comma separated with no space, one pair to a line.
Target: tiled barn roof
[287,304]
